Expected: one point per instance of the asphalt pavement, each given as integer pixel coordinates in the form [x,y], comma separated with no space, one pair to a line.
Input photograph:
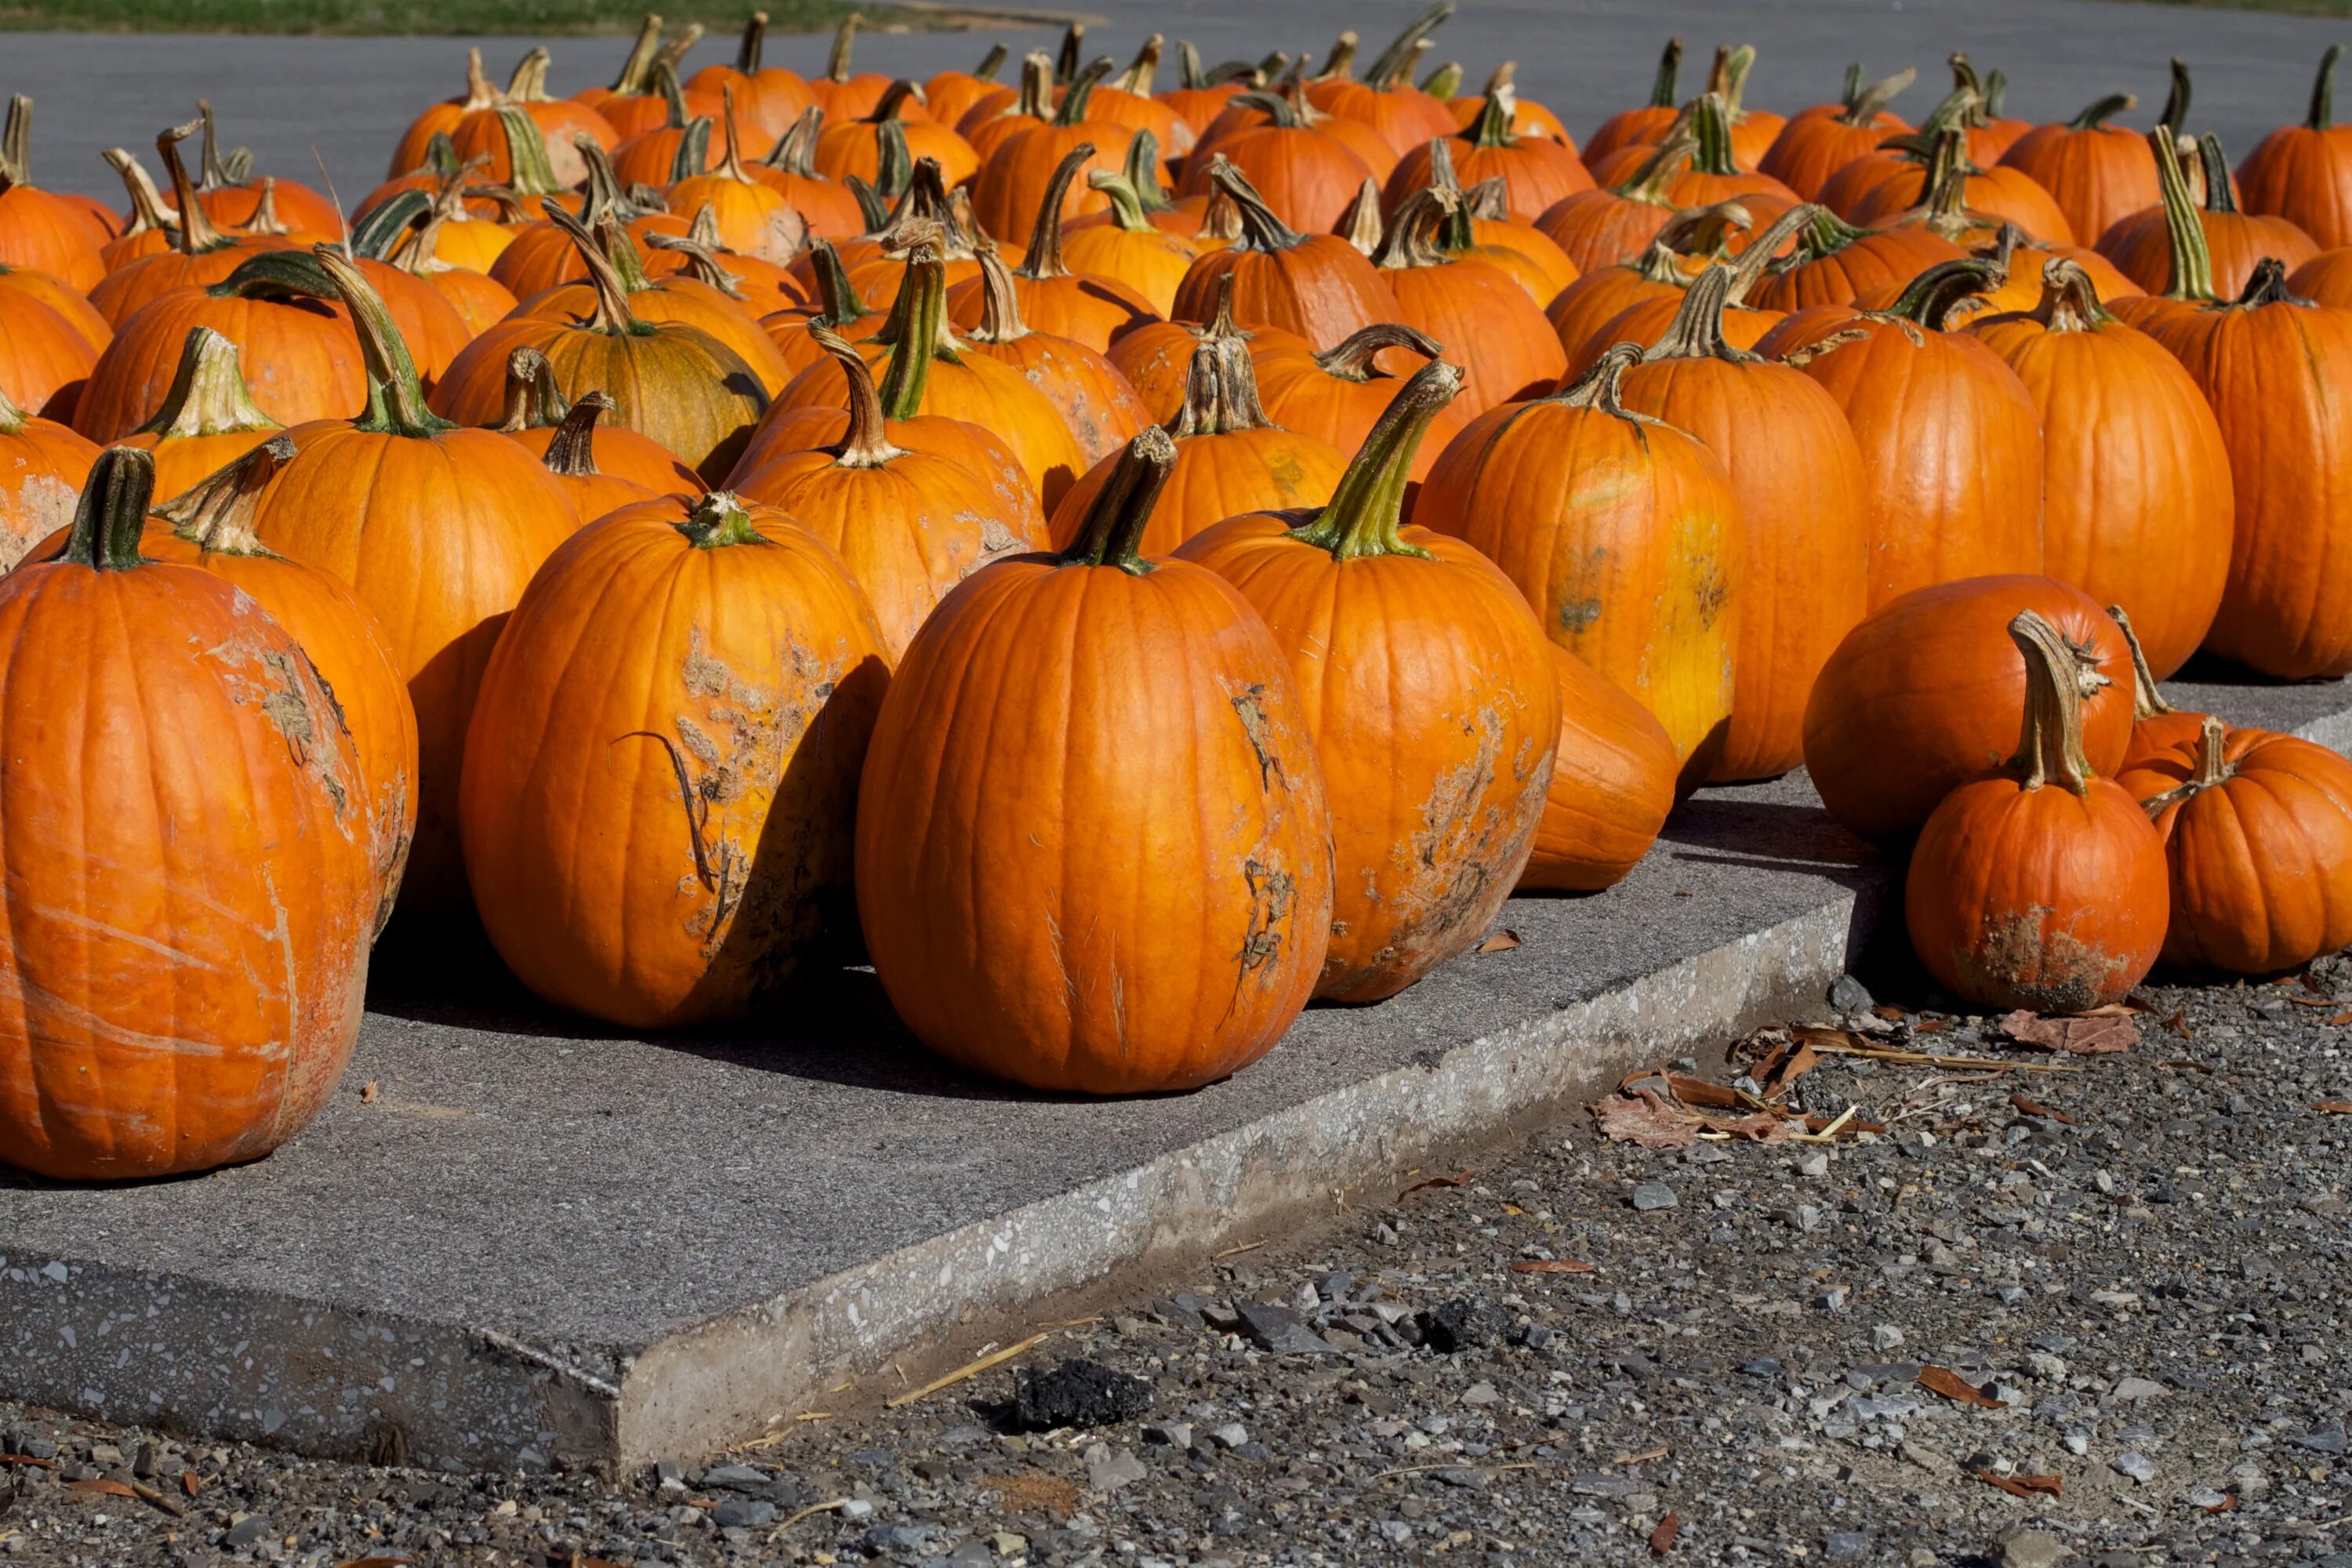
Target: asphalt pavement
[298,101]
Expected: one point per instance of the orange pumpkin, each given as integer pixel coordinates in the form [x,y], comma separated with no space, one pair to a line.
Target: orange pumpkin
[1804,516]
[1613,784]
[1495,331]
[1990,133]
[752,217]
[1814,146]
[1922,696]
[1649,125]
[1159,917]
[1230,457]
[657,805]
[1835,262]
[908,525]
[827,207]
[1308,167]
[872,146]
[1606,226]
[1743,325]
[178,818]
[2140,244]
[2157,724]
[1315,285]
[633,103]
[437,529]
[202,254]
[949,95]
[1536,172]
[1339,396]
[1157,359]
[842,93]
[2043,887]
[259,204]
[1385,100]
[1130,250]
[2304,173]
[2257,831]
[2324,280]
[1623,533]
[1087,306]
[836,303]
[1455,762]
[756,289]
[1951,441]
[770,97]
[43,466]
[2135,492]
[1100,409]
[208,420]
[599,456]
[2096,173]
[1027,167]
[39,230]
[1941,188]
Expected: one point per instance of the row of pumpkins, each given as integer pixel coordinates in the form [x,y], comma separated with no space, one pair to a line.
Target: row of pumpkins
[1126,610]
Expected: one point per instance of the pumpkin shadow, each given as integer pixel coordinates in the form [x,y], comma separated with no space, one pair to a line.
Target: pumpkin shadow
[2210,670]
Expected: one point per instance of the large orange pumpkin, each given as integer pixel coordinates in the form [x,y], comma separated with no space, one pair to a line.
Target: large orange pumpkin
[178,819]
[39,230]
[2043,887]
[1436,784]
[1804,516]
[1155,915]
[1951,440]
[1495,331]
[2097,173]
[1923,696]
[1624,533]
[2257,831]
[2135,492]
[43,466]
[437,529]
[661,771]
[1027,167]
[1316,285]
[1130,248]
[1613,784]
[2304,173]
[2140,244]
[208,420]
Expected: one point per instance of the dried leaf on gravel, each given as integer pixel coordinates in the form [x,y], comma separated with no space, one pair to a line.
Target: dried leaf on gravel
[1943,1380]
[1699,1091]
[2090,1034]
[1644,1117]
[1786,1067]
[2229,1501]
[28,1460]
[1662,1538]
[188,1482]
[1761,1128]
[1554,1266]
[2035,1107]
[2333,1107]
[1501,942]
[104,1485]
[2341,1018]
[1460,1181]
[2023,1486]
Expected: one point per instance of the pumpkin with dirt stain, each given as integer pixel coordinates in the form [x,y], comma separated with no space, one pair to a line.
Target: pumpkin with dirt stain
[1623,533]
[42,467]
[1154,913]
[179,813]
[662,767]
[2042,887]
[1422,672]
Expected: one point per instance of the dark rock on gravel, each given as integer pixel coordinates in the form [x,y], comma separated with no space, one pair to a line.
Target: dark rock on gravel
[1078,1394]
[1463,1323]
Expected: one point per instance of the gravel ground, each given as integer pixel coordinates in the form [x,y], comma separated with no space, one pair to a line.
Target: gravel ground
[2142,1265]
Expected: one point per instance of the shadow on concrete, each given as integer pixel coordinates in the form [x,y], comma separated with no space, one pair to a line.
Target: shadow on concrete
[2210,670]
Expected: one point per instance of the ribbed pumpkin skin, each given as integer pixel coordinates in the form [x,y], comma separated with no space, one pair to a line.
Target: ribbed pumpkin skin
[44,232]
[2136,497]
[1624,536]
[45,360]
[1887,255]
[2262,862]
[2007,196]
[1216,476]
[1951,447]
[1300,395]
[2097,175]
[759,662]
[1812,147]
[2274,375]
[2325,279]
[2304,176]
[1612,784]
[1097,405]
[2042,900]
[1494,332]
[1156,360]
[1600,229]
[1154,914]
[300,360]
[2141,248]
[789,431]
[437,537]
[1804,506]
[1322,290]
[620,454]
[166,838]
[43,466]
[1924,696]
[1424,686]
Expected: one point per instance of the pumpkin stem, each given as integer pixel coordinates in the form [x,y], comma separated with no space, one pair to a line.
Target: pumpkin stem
[1710,123]
[1757,260]
[2070,299]
[2096,116]
[1696,331]
[1350,359]
[1498,116]
[1081,93]
[529,83]
[1033,97]
[2323,90]
[1863,106]
[2218,195]
[894,98]
[1045,258]
[1366,509]
[731,160]
[1944,187]
[747,53]
[1189,75]
[1112,534]
[993,62]
[613,313]
[1000,308]
[2176,102]
[673,93]
[1142,172]
[148,213]
[1599,387]
[221,171]
[1412,239]
[1261,230]
[1929,299]
[528,169]
[2268,286]
[217,513]
[702,263]
[2193,258]
[2148,700]
[396,397]
[1340,64]
[834,291]
[572,450]
[631,82]
[208,395]
[867,443]
[1728,80]
[15,143]
[692,157]
[719,520]
[1391,64]
[534,400]
[1654,181]
[844,38]
[1220,389]
[112,510]
[1126,202]
[921,314]
[13,419]
[2050,746]
[1361,225]
[197,233]
[795,151]
[1275,106]
[2212,764]
[673,53]
[1661,85]
[1073,50]
[1443,82]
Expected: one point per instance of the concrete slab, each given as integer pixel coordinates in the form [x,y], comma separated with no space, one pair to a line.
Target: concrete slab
[542,1241]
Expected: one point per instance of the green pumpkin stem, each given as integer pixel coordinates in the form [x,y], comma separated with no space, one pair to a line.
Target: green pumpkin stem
[1367,510]
[1498,116]
[747,53]
[1728,79]
[2050,744]
[2096,116]
[1189,75]
[1045,258]
[572,450]
[1391,64]
[631,82]
[2191,275]
[112,510]
[1711,125]
[834,291]
[1072,51]
[921,315]
[1142,172]
[534,402]
[2176,102]
[208,395]
[1350,359]
[693,154]
[396,395]
[2070,299]
[866,444]
[1126,202]
[795,151]
[1865,106]
[217,513]
[1412,234]
[528,172]
[2148,700]
[2218,195]
[719,520]
[2323,90]
[1081,93]
[1654,181]
[844,38]
[197,233]
[1112,533]
[673,94]
[1670,64]
[1261,230]
[990,63]
[1444,82]
[1929,299]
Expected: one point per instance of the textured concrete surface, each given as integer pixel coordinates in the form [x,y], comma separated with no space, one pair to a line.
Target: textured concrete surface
[349,98]
[541,1240]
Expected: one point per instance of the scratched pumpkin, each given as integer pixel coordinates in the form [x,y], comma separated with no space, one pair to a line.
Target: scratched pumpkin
[662,768]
